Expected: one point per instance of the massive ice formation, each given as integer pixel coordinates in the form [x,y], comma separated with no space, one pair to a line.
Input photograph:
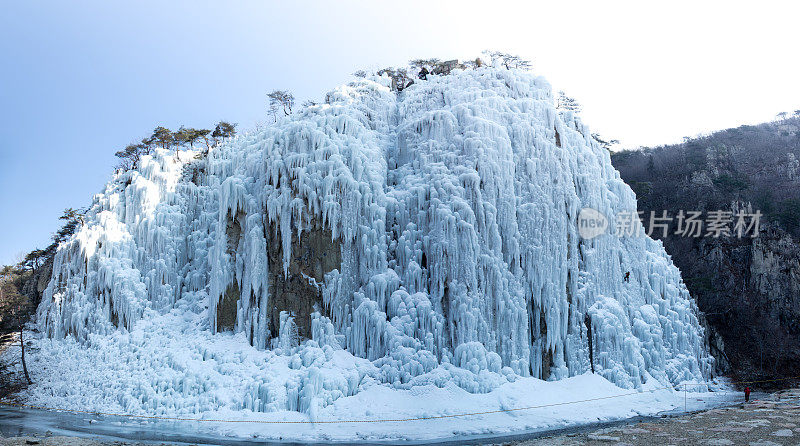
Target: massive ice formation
[431,232]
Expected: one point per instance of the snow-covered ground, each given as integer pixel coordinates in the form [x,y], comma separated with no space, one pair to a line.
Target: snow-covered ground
[103,376]
[20,422]
[463,278]
[381,403]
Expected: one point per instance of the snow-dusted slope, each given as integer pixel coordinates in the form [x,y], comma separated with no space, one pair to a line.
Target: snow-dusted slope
[453,208]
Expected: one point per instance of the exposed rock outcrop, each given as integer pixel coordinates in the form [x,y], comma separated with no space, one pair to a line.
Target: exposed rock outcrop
[299,290]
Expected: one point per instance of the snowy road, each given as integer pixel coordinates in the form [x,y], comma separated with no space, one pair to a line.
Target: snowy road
[771,421]
[29,423]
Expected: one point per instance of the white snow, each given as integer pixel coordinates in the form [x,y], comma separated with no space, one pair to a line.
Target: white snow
[153,370]
[463,276]
[783,433]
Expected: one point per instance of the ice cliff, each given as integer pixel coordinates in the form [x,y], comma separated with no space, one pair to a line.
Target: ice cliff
[381,238]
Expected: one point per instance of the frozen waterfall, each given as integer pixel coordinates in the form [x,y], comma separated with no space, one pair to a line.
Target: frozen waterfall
[381,238]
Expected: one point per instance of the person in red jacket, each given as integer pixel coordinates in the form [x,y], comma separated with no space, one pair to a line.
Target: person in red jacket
[746,394]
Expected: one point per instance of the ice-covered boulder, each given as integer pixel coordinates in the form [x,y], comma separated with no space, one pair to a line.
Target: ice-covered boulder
[429,235]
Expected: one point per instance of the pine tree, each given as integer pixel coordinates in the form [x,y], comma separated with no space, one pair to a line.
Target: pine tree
[74,218]
[223,130]
[33,259]
[130,155]
[187,136]
[146,146]
[163,137]
[182,136]
[204,135]
[603,143]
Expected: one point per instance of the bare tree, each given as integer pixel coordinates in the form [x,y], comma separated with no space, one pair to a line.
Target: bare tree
[280,99]
[477,63]
[444,67]
[399,76]
[19,315]
[509,61]
[565,102]
[428,64]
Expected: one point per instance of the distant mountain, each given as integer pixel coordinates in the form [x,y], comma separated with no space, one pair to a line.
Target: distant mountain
[748,288]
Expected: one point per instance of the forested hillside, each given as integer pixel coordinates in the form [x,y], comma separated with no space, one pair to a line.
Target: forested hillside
[748,287]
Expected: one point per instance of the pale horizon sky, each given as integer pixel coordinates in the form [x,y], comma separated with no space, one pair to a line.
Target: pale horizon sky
[81,79]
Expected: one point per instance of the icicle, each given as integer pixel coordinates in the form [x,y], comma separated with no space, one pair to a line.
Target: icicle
[454,209]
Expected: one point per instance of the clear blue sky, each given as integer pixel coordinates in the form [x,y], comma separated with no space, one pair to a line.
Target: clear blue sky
[80,79]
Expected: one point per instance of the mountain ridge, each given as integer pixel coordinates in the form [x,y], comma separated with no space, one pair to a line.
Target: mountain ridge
[747,287]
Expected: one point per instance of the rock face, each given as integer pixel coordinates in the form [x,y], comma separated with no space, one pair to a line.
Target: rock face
[748,288]
[299,292]
[775,267]
[22,288]
[750,292]
[227,309]
[426,237]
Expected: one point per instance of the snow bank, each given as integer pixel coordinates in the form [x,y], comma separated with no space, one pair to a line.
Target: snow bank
[172,367]
[454,204]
